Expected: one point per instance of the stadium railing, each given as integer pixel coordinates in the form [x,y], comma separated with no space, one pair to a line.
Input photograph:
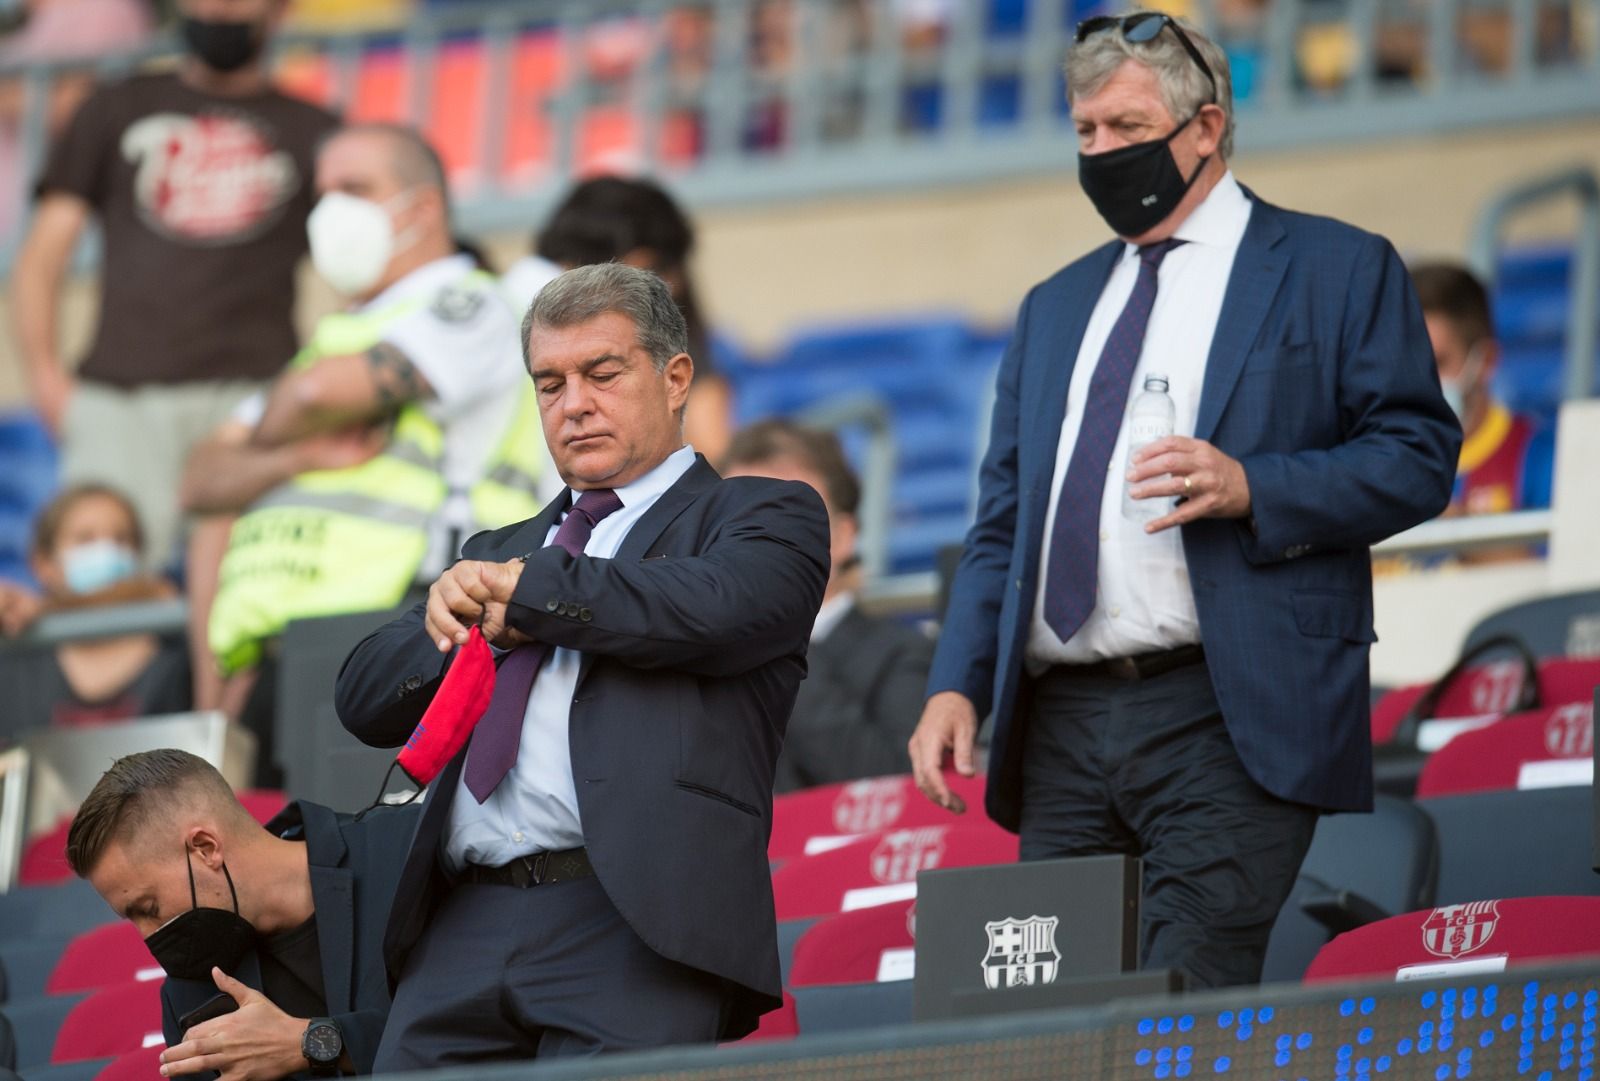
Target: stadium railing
[522,96]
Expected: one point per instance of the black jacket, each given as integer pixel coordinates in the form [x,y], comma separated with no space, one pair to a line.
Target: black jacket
[860,703]
[694,640]
[354,868]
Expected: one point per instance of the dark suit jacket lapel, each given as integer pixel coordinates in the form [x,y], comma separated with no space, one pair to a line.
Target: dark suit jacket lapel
[1258,271]
[671,503]
[535,529]
[333,893]
[1061,330]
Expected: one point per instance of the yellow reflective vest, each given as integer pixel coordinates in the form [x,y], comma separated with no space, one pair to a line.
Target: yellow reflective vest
[335,541]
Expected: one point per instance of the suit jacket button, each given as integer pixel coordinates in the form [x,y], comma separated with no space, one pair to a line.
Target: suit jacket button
[585,615]
[550,606]
[409,685]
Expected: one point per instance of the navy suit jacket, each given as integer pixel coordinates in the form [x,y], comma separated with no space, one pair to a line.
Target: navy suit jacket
[694,640]
[354,867]
[1321,383]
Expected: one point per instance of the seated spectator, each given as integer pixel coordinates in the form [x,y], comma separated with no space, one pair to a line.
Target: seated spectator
[291,946]
[404,426]
[87,551]
[864,687]
[613,219]
[1494,474]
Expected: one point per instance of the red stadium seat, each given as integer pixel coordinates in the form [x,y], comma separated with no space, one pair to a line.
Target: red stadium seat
[105,957]
[1540,748]
[1490,689]
[780,1024]
[882,868]
[44,860]
[113,1021]
[812,821]
[263,803]
[869,945]
[1455,939]
[141,1065]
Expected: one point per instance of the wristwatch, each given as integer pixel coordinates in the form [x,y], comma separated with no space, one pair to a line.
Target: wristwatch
[323,1047]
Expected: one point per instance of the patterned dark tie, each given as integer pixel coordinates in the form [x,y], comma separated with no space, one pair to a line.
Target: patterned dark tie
[495,741]
[1073,570]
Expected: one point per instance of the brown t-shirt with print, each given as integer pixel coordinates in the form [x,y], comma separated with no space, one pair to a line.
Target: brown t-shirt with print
[202,202]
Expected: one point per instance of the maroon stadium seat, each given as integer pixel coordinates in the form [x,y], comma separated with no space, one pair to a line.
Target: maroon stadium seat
[105,957]
[1526,750]
[868,945]
[882,867]
[1445,941]
[804,823]
[113,1021]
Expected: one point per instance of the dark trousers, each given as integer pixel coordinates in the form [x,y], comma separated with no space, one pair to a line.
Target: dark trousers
[1146,768]
[504,973]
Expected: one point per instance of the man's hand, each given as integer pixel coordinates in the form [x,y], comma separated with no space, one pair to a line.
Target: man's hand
[344,448]
[949,723]
[19,607]
[473,592]
[1209,483]
[257,1042]
[52,390]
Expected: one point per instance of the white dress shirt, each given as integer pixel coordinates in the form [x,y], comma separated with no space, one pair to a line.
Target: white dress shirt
[535,808]
[1144,602]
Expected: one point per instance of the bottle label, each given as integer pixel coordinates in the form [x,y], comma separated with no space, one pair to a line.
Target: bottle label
[1142,430]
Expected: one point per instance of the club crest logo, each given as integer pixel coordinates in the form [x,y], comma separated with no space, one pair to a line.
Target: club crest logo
[870,805]
[902,853]
[1569,733]
[1456,930]
[1496,686]
[1022,953]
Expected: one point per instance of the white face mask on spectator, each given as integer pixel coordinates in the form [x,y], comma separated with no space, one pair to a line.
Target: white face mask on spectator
[97,565]
[352,240]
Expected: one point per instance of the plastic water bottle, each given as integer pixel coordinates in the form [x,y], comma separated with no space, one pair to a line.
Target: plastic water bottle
[1151,418]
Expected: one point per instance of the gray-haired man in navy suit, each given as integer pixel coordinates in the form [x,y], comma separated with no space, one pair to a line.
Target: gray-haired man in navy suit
[590,874]
[1189,686]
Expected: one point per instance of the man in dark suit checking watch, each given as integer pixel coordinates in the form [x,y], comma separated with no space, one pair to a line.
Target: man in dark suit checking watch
[590,873]
[1171,630]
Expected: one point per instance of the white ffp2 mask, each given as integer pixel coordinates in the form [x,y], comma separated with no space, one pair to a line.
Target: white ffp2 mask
[352,241]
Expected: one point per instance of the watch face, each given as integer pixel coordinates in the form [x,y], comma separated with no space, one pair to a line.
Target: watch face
[323,1043]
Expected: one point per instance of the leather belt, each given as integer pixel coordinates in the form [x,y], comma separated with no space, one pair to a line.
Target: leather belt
[1139,666]
[538,869]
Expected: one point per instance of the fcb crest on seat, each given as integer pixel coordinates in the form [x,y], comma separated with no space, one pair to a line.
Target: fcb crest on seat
[1022,953]
[870,805]
[1456,930]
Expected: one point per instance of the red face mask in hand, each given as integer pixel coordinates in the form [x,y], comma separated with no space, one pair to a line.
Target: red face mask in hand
[457,706]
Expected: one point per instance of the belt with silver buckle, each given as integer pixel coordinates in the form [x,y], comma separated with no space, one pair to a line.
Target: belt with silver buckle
[538,869]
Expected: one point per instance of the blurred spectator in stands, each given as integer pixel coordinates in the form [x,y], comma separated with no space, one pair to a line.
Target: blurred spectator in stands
[863,691]
[57,30]
[87,550]
[1493,475]
[293,915]
[404,426]
[199,179]
[634,221]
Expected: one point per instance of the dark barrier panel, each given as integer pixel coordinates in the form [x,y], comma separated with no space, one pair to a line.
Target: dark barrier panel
[1537,1023]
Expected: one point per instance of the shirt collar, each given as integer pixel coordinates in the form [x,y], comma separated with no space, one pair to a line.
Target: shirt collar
[424,281]
[831,614]
[648,488]
[1219,221]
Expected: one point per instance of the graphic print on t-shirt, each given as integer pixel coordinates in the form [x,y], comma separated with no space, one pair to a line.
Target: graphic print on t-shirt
[207,179]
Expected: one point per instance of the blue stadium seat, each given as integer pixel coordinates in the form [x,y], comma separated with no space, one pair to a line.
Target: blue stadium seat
[27,481]
[35,1023]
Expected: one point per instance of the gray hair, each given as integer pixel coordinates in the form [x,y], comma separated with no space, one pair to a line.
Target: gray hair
[1184,87]
[587,292]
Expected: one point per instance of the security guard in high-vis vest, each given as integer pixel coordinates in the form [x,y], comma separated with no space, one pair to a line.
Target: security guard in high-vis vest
[406,424]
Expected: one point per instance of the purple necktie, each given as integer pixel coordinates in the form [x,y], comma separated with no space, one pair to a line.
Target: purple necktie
[495,741]
[1073,568]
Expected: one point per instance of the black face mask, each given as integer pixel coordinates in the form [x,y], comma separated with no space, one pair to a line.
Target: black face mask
[1135,187]
[222,46]
[191,943]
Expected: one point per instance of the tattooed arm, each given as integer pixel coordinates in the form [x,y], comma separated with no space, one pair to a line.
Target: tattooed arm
[338,392]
